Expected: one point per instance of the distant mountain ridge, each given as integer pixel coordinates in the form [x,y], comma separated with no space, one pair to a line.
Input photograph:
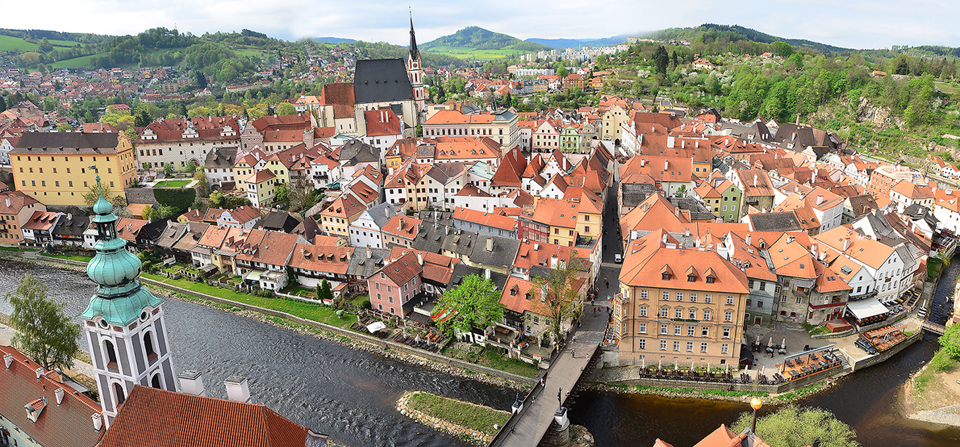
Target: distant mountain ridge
[574,43]
[478,38]
[737,32]
[328,39]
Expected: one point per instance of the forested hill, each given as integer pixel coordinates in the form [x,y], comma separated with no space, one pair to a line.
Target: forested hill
[474,37]
[710,33]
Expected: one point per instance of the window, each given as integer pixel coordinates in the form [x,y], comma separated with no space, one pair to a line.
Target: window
[665,276]
[759,304]
[666,296]
[663,329]
[750,284]
[676,346]
[799,300]
[678,313]
[679,296]
[711,280]
[729,299]
[642,344]
[723,348]
[691,278]
[704,331]
[689,346]
[642,328]
[691,330]
[643,294]
[748,302]
[703,347]
[763,285]
[693,314]
[708,298]
[664,313]
[727,316]
[706,314]
[643,311]
[693,297]
[676,330]
[378,286]
[663,345]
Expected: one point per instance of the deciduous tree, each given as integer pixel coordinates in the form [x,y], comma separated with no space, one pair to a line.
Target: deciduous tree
[559,297]
[44,333]
[793,426]
[474,303]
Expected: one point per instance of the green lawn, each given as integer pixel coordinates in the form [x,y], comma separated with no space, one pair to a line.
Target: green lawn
[470,53]
[77,62]
[70,257]
[172,183]
[494,360]
[464,414]
[9,43]
[309,311]
[17,249]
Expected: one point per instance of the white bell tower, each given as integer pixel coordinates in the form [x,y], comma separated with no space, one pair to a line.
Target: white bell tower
[123,323]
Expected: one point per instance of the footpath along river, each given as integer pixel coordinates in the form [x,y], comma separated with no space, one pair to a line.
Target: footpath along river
[351,395]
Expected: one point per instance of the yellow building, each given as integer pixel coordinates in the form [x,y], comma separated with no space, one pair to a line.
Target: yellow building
[261,188]
[335,220]
[54,167]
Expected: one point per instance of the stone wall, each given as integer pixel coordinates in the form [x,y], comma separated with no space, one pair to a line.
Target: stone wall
[883,356]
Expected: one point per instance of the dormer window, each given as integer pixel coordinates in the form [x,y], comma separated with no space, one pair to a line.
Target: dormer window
[665,276]
[35,408]
[691,278]
[711,280]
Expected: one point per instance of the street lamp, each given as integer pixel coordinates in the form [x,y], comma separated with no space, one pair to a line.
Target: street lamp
[755,403]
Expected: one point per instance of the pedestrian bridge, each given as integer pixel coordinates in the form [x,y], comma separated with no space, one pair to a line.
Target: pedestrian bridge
[528,426]
[938,329]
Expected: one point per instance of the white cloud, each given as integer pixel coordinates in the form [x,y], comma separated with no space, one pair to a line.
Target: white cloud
[850,23]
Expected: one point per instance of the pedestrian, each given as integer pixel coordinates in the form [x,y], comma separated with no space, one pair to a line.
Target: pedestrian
[608,283]
[573,353]
[593,301]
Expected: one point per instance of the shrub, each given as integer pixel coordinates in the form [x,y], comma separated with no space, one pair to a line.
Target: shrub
[941,362]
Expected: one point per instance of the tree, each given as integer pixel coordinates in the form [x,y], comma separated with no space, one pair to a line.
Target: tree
[560,299]
[282,193]
[285,108]
[168,211]
[201,80]
[323,291]
[793,426]
[64,127]
[142,119]
[662,59]
[44,333]
[149,214]
[201,177]
[90,197]
[300,196]
[473,303]
[950,341]
[216,199]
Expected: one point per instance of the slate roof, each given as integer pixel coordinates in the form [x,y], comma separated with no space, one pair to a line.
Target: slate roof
[72,225]
[381,80]
[153,417]
[635,193]
[355,151]
[503,253]
[785,221]
[278,221]
[367,261]
[45,143]
[381,214]
[462,270]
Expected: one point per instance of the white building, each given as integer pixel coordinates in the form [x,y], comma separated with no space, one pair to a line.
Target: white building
[366,230]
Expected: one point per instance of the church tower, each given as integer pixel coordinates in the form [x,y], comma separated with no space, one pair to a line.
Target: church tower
[123,323]
[415,71]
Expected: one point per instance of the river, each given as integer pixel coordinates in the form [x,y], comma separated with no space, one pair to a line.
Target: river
[351,395]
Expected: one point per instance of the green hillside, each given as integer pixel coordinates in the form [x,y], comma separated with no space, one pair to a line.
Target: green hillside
[10,43]
[476,38]
[709,33]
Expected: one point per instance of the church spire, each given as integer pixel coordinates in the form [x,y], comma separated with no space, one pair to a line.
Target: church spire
[414,52]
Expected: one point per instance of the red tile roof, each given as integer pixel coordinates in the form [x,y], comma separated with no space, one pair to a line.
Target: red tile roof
[68,424]
[317,258]
[382,122]
[493,220]
[152,417]
[402,270]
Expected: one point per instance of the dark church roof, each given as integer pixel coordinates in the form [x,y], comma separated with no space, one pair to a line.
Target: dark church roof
[381,80]
[414,52]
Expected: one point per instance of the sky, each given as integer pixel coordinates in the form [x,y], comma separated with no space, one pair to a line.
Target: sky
[845,23]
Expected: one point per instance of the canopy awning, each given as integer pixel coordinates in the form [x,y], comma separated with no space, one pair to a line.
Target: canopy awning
[209,268]
[867,308]
[376,326]
[253,275]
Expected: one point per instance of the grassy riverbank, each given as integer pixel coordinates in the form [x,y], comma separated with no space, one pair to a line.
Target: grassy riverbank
[315,312]
[466,420]
[712,394]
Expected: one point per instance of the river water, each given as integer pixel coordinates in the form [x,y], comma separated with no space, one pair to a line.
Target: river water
[351,395]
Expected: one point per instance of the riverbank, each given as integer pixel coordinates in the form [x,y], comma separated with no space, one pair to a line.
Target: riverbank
[321,330]
[932,397]
[713,394]
[466,420]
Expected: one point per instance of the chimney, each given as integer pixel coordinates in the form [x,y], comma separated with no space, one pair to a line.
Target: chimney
[536,246]
[97,421]
[419,258]
[59,394]
[748,239]
[486,273]
[754,180]
[846,243]
[798,119]
[7,360]
[237,389]
[39,372]
[819,199]
[490,243]
[8,202]
[676,212]
[191,383]
[553,261]
[642,162]
[666,165]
